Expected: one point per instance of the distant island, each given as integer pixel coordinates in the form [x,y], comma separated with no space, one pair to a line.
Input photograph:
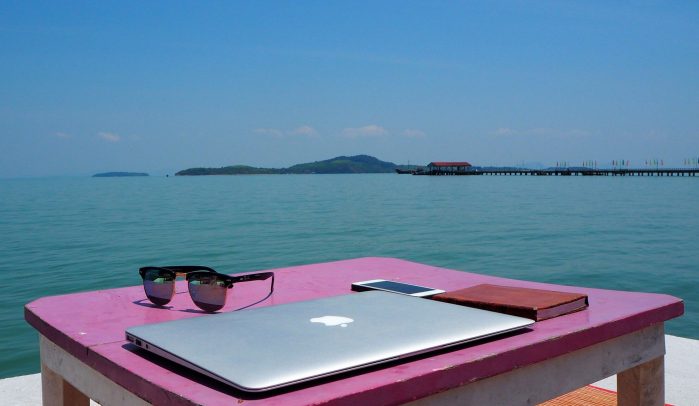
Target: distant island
[118,174]
[340,164]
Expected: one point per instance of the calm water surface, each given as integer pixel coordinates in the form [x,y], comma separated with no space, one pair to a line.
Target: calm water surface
[64,235]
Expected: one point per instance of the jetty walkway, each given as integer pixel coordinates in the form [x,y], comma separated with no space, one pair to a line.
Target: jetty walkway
[563,172]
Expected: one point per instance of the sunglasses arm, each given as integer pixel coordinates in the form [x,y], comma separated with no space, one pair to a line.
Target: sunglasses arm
[254,277]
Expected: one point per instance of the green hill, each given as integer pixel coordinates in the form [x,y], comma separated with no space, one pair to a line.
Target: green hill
[340,164]
[228,170]
[345,164]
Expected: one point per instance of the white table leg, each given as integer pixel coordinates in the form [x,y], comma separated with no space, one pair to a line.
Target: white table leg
[55,391]
[65,380]
[643,385]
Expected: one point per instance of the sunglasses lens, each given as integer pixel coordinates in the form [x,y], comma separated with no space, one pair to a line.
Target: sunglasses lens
[207,291]
[159,286]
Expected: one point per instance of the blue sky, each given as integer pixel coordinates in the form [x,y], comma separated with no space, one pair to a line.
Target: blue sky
[163,86]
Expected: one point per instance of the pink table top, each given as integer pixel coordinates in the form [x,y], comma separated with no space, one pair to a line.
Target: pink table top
[91,325]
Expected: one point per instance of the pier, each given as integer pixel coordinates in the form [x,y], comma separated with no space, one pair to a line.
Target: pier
[561,172]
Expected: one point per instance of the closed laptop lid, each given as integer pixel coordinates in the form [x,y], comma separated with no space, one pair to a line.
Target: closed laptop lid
[270,347]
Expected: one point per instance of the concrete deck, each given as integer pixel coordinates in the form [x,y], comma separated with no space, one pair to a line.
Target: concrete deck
[681,371]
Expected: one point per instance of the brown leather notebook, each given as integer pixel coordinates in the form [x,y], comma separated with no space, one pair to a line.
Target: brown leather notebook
[535,304]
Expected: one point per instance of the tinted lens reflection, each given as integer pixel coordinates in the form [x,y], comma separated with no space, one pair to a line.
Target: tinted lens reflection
[207,291]
[159,286]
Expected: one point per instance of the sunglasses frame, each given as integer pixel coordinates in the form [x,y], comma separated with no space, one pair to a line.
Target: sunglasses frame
[189,270]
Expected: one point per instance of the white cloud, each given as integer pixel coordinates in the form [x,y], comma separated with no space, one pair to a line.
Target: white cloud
[269,131]
[413,133]
[371,130]
[62,135]
[541,132]
[578,133]
[109,137]
[504,131]
[305,130]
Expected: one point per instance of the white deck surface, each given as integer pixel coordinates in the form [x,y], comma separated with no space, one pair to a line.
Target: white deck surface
[681,377]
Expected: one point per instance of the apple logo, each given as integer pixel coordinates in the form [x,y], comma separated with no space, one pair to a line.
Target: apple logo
[333,320]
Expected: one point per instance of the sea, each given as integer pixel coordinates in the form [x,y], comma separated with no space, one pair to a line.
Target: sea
[63,235]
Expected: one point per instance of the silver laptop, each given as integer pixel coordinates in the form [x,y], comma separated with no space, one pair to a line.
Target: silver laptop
[271,347]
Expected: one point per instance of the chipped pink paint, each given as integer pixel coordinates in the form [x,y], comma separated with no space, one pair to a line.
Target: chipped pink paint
[91,327]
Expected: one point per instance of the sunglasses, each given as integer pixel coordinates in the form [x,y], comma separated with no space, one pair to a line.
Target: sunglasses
[207,288]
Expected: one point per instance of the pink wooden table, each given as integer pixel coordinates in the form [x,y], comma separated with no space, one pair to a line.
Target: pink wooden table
[84,353]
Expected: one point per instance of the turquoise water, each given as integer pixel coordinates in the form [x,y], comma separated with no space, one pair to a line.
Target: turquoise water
[64,235]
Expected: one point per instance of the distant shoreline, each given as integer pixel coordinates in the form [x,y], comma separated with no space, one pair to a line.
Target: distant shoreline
[118,174]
